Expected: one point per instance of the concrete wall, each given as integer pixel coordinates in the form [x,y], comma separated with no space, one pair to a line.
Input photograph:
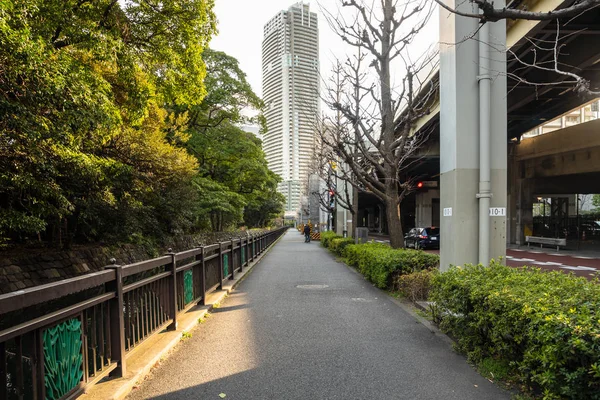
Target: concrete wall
[423,211]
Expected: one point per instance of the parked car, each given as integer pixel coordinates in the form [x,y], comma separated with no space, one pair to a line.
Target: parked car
[423,238]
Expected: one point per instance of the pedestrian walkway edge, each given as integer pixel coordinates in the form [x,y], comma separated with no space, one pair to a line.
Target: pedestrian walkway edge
[158,347]
[411,308]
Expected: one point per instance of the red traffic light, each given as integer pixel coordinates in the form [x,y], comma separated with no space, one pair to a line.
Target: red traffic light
[331,192]
[419,185]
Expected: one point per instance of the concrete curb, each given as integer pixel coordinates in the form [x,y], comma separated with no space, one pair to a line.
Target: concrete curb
[158,346]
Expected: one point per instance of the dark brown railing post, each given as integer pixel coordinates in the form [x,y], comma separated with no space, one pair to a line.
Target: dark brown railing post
[247,250]
[232,262]
[117,320]
[221,272]
[40,386]
[201,257]
[172,290]
[4,371]
[240,256]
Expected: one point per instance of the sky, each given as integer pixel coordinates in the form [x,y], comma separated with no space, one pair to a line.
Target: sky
[240,25]
[241,32]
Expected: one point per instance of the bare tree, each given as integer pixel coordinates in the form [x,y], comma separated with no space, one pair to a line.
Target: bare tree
[378,142]
[492,14]
[546,55]
[332,172]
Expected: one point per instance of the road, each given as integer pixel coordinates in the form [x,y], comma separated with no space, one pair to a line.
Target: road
[583,266]
[304,326]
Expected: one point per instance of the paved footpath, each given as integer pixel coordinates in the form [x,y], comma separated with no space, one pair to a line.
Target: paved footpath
[304,326]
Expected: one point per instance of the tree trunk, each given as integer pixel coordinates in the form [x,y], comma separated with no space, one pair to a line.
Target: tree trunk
[394,219]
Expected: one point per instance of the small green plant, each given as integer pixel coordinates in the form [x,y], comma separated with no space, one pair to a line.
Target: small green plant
[201,320]
[494,369]
[415,286]
[186,335]
[216,305]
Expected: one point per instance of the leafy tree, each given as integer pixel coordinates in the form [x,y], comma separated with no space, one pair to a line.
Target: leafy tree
[83,134]
[596,201]
[233,180]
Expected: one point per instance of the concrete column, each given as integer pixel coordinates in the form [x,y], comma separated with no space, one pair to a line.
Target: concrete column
[572,210]
[512,195]
[525,197]
[459,136]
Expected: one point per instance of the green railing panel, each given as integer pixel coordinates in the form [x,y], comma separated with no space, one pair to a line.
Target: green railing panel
[63,361]
[253,248]
[243,251]
[225,264]
[188,286]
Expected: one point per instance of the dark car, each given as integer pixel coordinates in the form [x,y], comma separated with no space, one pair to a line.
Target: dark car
[423,238]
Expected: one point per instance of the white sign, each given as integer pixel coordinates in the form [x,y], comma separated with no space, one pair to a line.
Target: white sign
[497,211]
[448,212]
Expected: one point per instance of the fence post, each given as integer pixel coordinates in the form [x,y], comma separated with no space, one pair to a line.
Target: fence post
[240,257]
[247,250]
[172,290]
[202,277]
[220,266]
[117,320]
[232,262]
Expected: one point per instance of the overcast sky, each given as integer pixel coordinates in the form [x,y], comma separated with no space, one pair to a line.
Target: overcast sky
[241,32]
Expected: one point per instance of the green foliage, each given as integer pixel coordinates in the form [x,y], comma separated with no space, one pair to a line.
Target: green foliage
[380,264]
[545,325]
[337,245]
[111,129]
[416,285]
[596,201]
[327,236]
[86,148]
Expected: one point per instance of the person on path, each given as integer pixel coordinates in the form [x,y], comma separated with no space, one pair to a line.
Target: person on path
[306,233]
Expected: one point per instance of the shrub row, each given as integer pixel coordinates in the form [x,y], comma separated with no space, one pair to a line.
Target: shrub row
[326,237]
[544,325]
[381,264]
[377,261]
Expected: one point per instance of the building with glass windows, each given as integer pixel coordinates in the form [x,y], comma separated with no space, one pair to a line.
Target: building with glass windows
[290,65]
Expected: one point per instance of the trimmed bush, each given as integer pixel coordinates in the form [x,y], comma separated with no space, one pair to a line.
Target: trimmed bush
[380,264]
[326,237]
[337,245]
[415,286]
[544,325]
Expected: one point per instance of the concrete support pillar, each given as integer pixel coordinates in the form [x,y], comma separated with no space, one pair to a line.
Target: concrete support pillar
[512,195]
[525,197]
[459,136]
[572,210]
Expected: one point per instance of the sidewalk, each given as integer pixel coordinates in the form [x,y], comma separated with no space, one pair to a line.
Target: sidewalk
[159,346]
[305,326]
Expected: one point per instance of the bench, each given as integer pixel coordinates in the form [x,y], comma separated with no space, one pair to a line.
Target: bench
[545,240]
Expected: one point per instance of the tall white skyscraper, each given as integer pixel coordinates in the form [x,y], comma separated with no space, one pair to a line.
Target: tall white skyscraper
[290,65]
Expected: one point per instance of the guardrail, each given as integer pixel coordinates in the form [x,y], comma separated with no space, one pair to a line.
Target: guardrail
[58,354]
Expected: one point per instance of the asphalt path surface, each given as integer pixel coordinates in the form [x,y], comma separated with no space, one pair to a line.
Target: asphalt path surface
[304,326]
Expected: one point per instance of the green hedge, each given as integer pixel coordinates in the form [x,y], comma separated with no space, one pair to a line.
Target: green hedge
[380,264]
[544,325]
[326,237]
[338,244]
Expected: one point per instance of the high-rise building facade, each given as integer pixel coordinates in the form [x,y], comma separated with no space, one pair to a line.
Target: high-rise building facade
[290,65]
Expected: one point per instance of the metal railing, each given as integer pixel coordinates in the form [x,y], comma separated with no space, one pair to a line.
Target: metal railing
[76,344]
